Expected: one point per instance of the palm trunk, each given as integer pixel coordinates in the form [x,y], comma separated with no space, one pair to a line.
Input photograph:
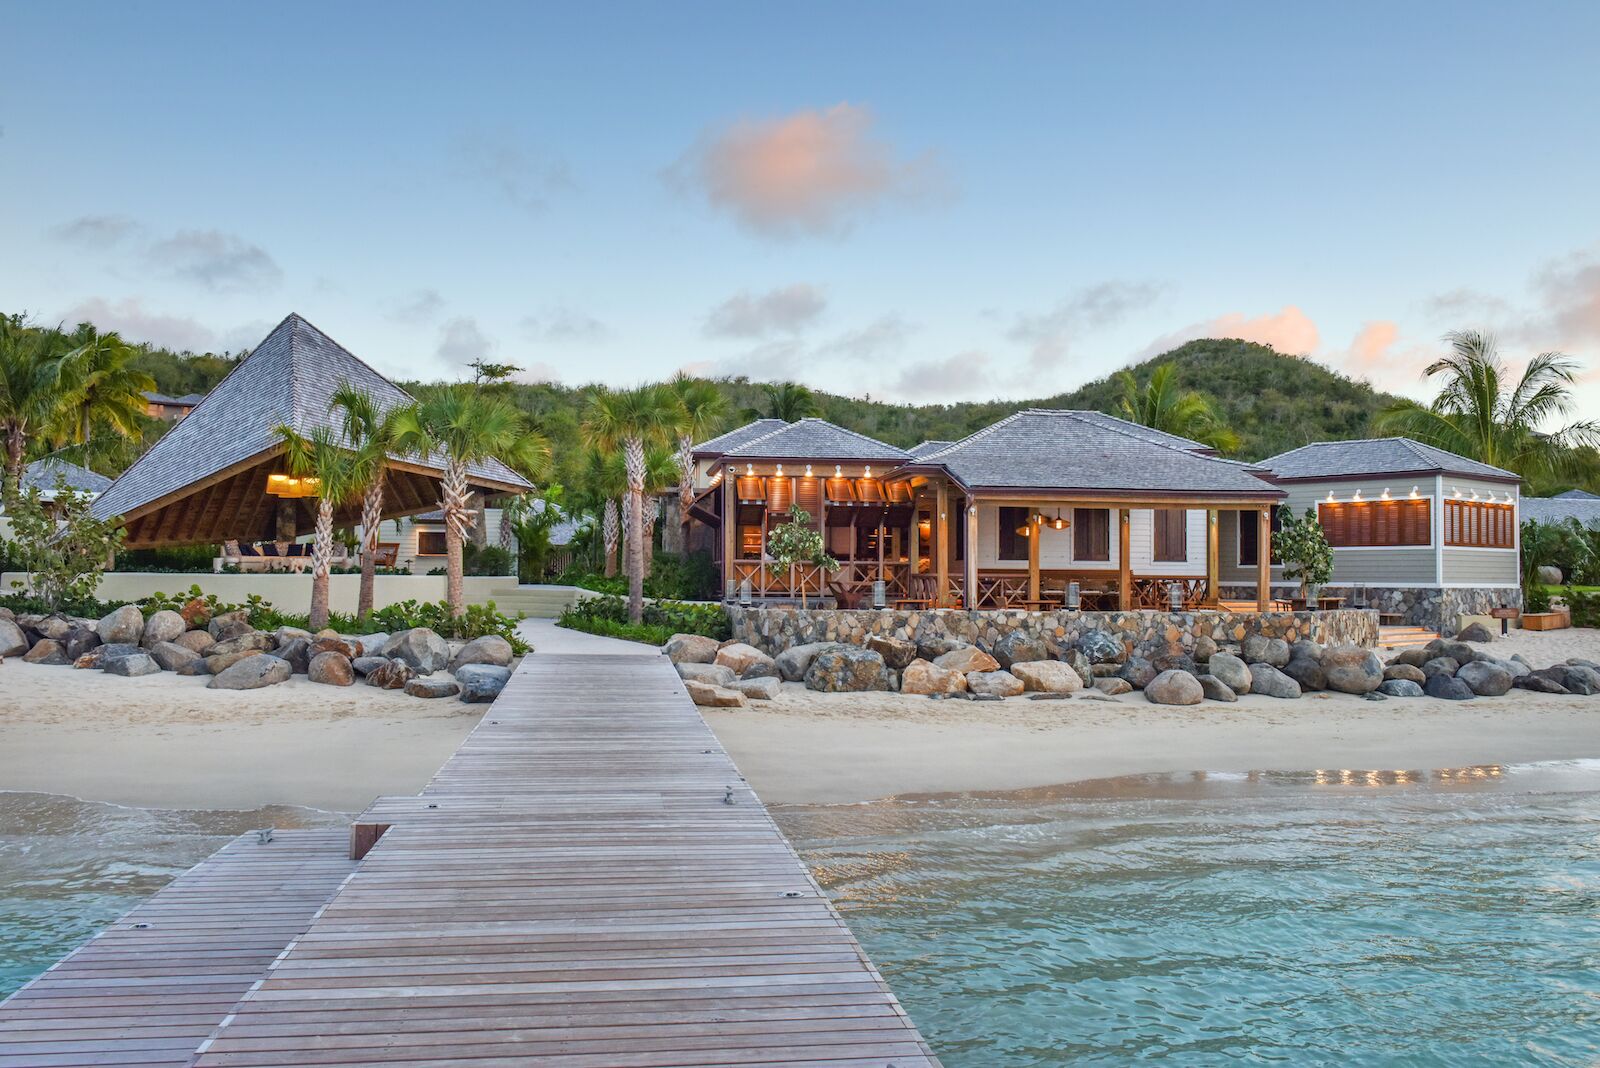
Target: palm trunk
[608,531]
[371,516]
[633,457]
[652,512]
[685,490]
[456,518]
[321,559]
[480,530]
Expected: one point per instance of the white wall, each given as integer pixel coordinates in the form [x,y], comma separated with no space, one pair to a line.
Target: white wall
[292,593]
[1055,547]
[404,532]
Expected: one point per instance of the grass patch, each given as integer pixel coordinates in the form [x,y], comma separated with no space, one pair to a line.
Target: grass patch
[647,633]
[1555,590]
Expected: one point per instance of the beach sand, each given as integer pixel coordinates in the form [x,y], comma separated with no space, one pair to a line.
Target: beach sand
[809,747]
[165,741]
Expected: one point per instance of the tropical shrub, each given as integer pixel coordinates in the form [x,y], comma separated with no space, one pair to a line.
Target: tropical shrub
[690,578]
[1585,606]
[63,546]
[608,615]
[1303,548]
[488,560]
[793,543]
[182,559]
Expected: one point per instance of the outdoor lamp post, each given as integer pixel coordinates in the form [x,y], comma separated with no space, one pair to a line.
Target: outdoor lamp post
[1074,598]
[1175,596]
[880,593]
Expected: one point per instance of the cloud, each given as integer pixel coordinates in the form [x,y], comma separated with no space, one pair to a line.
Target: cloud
[1569,296]
[94,231]
[563,325]
[811,172]
[1372,346]
[953,376]
[524,176]
[883,335]
[461,342]
[130,318]
[787,310]
[1051,334]
[221,262]
[421,306]
[1289,331]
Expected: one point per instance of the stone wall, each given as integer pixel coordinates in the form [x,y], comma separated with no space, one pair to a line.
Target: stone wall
[1417,606]
[1146,634]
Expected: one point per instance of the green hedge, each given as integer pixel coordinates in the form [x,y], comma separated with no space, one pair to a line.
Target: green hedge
[662,619]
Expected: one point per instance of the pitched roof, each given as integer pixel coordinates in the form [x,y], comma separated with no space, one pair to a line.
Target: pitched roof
[928,448]
[815,439]
[1377,456]
[42,475]
[1160,437]
[738,436]
[1045,449]
[1577,495]
[1586,510]
[287,380]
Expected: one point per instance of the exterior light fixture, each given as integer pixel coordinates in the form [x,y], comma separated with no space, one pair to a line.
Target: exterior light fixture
[1415,493]
[1458,492]
[1175,596]
[749,469]
[780,470]
[1385,495]
[1059,523]
[1474,494]
[868,472]
[744,593]
[880,594]
[808,470]
[1330,497]
[838,471]
[1357,498]
[289,486]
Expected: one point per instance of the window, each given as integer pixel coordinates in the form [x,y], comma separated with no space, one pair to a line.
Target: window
[1171,535]
[1359,524]
[430,543]
[1480,525]
[1013,546]
[1248,540]
[1091,534]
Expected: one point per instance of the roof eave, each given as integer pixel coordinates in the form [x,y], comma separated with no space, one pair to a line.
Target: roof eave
[1353,476]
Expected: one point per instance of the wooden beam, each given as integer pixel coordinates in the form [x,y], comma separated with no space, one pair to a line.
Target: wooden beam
[1213,569]
[1124,562]
[971,578]
[730,528]
[1263,559]
[1035,535]
[914,535]
[941,542]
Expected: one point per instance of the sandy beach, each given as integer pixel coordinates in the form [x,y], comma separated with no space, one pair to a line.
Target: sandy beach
[827,748]
[166,741]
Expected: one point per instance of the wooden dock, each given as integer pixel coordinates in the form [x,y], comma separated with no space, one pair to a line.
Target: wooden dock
[586,883]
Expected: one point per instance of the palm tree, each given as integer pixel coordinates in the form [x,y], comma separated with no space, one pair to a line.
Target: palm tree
[703,409]
[1162,405]
[788,401]
[323,457]
[1477,416]
[604,484]
[30,391]
[100,386]
[372,436]
[632,421]
[461,426]
[661,475]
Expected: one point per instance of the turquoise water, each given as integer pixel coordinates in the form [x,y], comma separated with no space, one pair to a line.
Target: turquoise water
[1341,917]
[69,867]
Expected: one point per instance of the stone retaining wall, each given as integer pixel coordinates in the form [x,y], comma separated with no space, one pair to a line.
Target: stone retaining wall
[1146,634]
[1417,606]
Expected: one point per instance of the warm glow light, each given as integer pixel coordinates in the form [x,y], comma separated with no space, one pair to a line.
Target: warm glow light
[1385,495]
[838,472]
[288,486]
[808,470]
[1414,493]
[868,473]
[749,469]
[1330,497]
[1474,494]
[780,470]
[1356,498]
[1458,492]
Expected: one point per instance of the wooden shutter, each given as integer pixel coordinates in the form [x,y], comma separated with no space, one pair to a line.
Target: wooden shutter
[1171,528]
[1091,533]
[1012,546]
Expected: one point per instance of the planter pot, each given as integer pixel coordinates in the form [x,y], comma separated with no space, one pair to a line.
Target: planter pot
[1546,620]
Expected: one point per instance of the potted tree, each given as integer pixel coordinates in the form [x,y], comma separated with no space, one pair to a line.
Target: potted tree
[794,543]
[1306,555]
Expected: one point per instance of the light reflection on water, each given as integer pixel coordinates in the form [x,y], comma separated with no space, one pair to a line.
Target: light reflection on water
[1348,916]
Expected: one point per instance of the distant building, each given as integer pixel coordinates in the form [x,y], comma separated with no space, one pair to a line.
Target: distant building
[170,409]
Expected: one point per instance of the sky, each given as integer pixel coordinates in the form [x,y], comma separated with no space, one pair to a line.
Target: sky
[914,202]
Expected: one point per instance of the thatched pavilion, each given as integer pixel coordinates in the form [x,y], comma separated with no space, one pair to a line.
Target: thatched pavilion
[220,475]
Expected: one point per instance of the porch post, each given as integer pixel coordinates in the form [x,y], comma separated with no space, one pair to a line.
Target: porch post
[914,537]
[1213,590]
[972,553]
[730,526]
[1035,533]
[941,542]
[1124,562]
[1263,559]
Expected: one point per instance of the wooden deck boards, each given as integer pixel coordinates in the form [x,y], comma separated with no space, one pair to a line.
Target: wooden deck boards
[150,988]
[573,890]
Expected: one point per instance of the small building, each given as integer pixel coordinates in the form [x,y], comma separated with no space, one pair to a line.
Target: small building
[416,543]
[46,474]
[170,409]
[1577,506]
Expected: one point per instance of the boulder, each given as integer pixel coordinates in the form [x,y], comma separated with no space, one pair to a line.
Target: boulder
[1415,657]
[333,644]
[217,664]
[1400,688]
[419,647]
[198,666]
[795,661]
[80,640]
[254,640]
[1404,673]
[1047,676]
[489,649]
[993,684]
[1174,687]
[762,669]
[1447,688]
[1307,672]
[1539,683]
[1231,670]
[1215,689]
[707,696]
[710,674]
[372,644]
[1571,661]
[690,649]
[1204,648]
[229,625]
[1576,678]
[761,688]
[105,654]
[481,683]
[366,665]
[739,656]
[1548,575]
[123,626]
[391,674]
[12,641]
[331,668]
[298,652]
[285,635]
[1113,686]
[1174,662]
[1514,667]
[1259,649]
[1441,665]
[932,648]
[1485,678]
[1137,672]
[1303,647]
[432,687]
[55,628]
[1079,663]
[132,665]
[1475,632]
[847,669]
[171,656]
[923,677]
[251,673]
[1101,648]
[1270,682]
[1352,669]
[163,626]
[196,641]
[1460,652]
[896,652]
[966,660]
[1017,647]
[47,651]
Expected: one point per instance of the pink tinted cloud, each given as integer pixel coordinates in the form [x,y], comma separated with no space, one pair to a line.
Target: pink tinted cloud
[1289,330]
[812,172]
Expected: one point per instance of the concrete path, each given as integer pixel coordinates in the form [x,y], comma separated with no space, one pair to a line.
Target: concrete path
[546,637]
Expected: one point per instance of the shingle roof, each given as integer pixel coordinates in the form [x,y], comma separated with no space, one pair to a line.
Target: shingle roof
[816,439]
[1073,450]
[1577,495]
[1586,510]
[42,474]
[1160,437]
[738,436]
[928,447]
[1377,456]
[289,380]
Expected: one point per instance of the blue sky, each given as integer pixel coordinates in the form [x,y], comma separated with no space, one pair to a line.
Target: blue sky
[919,202]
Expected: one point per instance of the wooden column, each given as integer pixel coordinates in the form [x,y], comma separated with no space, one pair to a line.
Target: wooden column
[941,542]
[1124,562]
[1213,588]
[970,571]
[1035,535]
[914,539]
[1263,559]
[730,530]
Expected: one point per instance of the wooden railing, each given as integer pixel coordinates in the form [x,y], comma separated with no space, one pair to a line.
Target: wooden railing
[854,576]
[1096,593]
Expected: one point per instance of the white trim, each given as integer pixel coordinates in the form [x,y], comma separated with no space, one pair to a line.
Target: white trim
[1481,586]
[1381,548]
[1438,528]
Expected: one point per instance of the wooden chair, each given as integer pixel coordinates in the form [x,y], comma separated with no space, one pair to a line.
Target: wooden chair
[921,592]
[386,553]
